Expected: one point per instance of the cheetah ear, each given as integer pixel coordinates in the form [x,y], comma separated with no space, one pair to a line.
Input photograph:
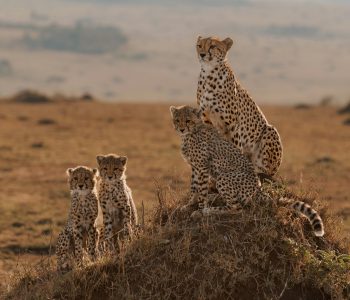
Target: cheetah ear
[172,110]
[69,171]
[228,43]
[99,158]
[94,171]
[199,38]
[123,160]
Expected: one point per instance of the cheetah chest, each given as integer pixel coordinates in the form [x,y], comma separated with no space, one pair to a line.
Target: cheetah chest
[187,147]
[116,198]
[85,211]
[116,201]
[194,149]
[213,111]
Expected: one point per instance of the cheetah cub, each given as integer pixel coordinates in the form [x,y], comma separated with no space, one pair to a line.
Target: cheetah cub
[210,154]
[79,231]
[225,104]
[117,205]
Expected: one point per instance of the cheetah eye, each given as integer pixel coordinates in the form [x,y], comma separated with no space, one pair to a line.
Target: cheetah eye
[188,121]
[199,46]
[104,169]
[86,178]
[116,169]
[75,178]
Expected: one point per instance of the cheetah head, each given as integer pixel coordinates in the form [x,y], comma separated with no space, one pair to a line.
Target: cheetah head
[212,51]
[111,167]
[185,118]
[81,179]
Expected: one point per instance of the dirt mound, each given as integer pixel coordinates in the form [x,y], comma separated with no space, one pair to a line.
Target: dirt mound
[31,97]
[345,109]
[302,106]
[266,251]
[87,97]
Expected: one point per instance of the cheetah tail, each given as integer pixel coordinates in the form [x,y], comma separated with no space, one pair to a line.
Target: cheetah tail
[305,209]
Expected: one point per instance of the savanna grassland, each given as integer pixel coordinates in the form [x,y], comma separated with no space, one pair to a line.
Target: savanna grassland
[105,47]
[40,141]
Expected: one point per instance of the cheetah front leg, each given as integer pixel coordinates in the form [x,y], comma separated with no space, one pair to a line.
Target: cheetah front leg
[63,263]
[203,187]
[134,216]
[92,238]
[199,186]
[202,193]
[126,215]
[63,252]
[193,197]
[100,240]
[108,232]
[194,184]
[78,244]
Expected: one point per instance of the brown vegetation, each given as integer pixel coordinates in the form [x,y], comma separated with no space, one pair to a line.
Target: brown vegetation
[263,252]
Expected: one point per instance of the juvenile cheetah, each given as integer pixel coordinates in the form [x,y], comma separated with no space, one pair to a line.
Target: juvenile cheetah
[210,154]
[79,229]
[117,205]
[229,108]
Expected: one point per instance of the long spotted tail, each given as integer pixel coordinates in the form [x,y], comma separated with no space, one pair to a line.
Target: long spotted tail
[305,209]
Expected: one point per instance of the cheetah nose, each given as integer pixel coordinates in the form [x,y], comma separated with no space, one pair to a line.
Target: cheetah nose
[182,130]
[110,177]
[202,55]
[81,186]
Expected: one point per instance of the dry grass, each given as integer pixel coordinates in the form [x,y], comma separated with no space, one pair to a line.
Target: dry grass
[33,159]
[264,252]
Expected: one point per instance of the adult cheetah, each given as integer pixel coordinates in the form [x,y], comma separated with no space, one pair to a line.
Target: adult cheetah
[210,154]
[79,232]
[229,108]
[117,205]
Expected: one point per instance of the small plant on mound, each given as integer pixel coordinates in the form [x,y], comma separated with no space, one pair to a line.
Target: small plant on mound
[266,251]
